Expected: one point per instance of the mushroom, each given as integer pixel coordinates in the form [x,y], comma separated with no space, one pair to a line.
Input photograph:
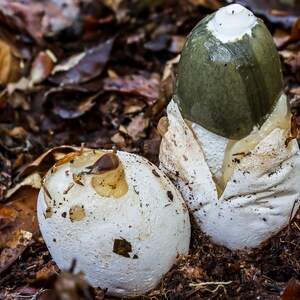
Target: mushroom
[229,137]
[117,215]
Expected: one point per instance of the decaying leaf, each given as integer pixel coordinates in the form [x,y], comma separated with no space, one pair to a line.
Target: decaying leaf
[83,66]
[41,68]
[70,102]
[292,290]
[7,216]
[38,19]
[137,126]
[18,234]
[43,163]
[10,70]
[67,286]
[138,85]
[274,11]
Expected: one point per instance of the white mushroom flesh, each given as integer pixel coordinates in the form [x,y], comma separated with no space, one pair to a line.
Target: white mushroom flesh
[125,227]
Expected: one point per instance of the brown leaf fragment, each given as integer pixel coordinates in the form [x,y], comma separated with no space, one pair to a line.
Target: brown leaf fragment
[292,290]
[67,286]
[137,127]
[122,247]
[5,175]
[41,68]
[10,70]
[14,248]
[70,102]
[7,216]
[38,19]
[274,11]
[84,66]
[176,43]
[22,206]
[293,131]
[43,163]
[139,85]
[210,4]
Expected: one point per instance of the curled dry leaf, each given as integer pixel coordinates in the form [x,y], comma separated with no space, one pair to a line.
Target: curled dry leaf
[10,70]
[43,163]
[84,66]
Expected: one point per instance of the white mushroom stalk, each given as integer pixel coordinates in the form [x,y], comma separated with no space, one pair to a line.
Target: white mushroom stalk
[229,140]
[118,215]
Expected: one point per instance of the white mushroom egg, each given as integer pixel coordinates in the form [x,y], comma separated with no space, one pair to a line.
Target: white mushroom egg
[117,215]
[229,142]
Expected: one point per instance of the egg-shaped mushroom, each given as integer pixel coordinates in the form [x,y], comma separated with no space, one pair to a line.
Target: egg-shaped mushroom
[117,215]
[228,142]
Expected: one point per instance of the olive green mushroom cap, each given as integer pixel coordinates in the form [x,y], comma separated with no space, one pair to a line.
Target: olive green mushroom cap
[229,75]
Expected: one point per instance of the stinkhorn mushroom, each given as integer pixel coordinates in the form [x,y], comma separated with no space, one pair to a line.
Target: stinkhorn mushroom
[228,140]
[117,215]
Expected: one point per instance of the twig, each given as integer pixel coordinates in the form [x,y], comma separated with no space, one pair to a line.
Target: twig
[209,283]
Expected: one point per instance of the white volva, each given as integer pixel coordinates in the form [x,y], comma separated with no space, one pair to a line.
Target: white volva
[124,242]
[260,197]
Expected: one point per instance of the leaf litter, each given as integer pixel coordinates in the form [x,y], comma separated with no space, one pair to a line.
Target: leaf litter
[101,73]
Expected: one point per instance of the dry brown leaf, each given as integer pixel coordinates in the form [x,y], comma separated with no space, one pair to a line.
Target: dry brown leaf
[139,85]
[15,238]
[7,216]
[40,165]
[83,66]
[137,126]
[41,68]
[292,290]
[10,70]
[210,4]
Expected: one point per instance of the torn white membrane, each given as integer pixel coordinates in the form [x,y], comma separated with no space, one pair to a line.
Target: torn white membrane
[260,197]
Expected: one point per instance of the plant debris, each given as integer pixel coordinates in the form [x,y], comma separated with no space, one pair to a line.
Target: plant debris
[101,73]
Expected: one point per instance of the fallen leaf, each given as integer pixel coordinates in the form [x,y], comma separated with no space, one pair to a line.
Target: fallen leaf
[175,43]
[137,126]
[292,290]
[7,216]
[84,66]
[5,176]
[14,248]
[10,70]
[274,11]
[43,163]
[15,239]
[210,4]
[138,85]
[70,102]
[39,19]
[41,68]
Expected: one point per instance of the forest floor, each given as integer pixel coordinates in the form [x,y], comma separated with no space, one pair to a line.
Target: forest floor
[114,96]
